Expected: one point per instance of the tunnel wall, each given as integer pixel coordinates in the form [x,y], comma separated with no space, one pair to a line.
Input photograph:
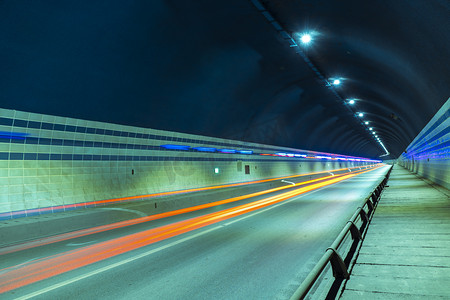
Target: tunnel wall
[428,154]
[50,163]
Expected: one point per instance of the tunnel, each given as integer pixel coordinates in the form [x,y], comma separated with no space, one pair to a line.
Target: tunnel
[250,149]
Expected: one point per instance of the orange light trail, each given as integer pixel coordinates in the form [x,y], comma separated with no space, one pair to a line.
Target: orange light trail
[200,189]
[116,225]
[154,195]
[18,276]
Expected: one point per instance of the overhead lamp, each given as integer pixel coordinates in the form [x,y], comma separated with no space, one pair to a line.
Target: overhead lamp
[360,115]
[374,132]
[306,38]
[336,82]
[351,102]
[370,128]
[366,122]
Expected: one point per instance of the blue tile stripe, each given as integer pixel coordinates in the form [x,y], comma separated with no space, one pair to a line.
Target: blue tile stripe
[98,131]
[444,148]
[103,132]
[438,122]
[103,157]
[104,145]
[433,140]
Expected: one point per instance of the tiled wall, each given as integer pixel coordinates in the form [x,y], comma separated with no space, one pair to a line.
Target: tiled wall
[50,163]
[429,153]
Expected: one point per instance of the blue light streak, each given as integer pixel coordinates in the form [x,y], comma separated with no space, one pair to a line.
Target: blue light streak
[175,147]
[205,149]
[13,135]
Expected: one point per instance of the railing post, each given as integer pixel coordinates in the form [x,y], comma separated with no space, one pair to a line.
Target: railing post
[374,198]
[338,265]
[363,215]
[356,234]
[370,205]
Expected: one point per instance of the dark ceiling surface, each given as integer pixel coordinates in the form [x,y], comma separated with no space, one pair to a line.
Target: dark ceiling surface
[220,68]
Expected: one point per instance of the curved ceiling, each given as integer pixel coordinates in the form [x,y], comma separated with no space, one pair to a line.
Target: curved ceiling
[220,68]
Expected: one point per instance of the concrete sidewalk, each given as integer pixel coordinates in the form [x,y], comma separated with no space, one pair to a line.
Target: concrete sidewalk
[406,252]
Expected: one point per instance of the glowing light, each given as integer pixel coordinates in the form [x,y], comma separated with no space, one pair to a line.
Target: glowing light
[175,147]
[37,270]
[366,122]
[370,128]
[205,149]
[323,157]
[216,170]
[336,82]
[306,38]
[102,228]
[351,102]
[245,152]
[360,115]
[227,151]
[13,135]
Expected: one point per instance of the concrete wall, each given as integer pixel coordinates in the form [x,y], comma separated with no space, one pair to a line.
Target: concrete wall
[429,153]
[50,163]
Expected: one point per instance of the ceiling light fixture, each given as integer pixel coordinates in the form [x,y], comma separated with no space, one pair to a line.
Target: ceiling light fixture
[306,38]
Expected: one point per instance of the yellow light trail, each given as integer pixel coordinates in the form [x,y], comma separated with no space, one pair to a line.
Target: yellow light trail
[102,228]
[18,276]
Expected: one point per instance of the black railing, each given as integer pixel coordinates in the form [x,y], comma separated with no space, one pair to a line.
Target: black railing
[357,227]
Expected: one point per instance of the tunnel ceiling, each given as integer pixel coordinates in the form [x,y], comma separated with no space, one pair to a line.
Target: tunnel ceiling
[226,69]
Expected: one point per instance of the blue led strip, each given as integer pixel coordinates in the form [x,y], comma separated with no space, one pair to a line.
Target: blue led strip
[13,135]
[430,149]
[91,157]
[90,130]
[8,137]
[205,149]
[437,139]
[433,127]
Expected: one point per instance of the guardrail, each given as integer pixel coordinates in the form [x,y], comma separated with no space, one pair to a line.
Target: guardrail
[340,267]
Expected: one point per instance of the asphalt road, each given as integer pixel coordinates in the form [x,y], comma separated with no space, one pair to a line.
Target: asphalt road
[262,254]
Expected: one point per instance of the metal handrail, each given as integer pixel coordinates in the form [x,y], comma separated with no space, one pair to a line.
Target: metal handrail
[339,267]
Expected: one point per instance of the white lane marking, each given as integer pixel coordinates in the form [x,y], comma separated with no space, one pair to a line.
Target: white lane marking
[331,173]
[272,206]
[36,258]
[6,270]
[118,264]
[111,266]
[80,244]
[290,182]
[349,170]
[139,213]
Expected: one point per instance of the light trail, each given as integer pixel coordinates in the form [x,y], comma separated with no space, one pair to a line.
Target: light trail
[116,225]
[154,195]
[25,274]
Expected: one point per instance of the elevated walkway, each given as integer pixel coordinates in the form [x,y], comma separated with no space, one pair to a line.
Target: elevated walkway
[406,252]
